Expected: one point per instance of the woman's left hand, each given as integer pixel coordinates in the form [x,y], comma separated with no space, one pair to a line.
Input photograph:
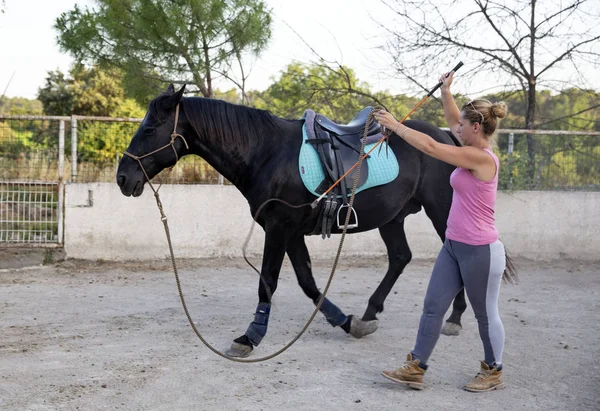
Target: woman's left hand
[386,119]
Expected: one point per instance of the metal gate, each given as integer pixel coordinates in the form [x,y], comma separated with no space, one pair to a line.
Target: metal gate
[30,212]
[31,180]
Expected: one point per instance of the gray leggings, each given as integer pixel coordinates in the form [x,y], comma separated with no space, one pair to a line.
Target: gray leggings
[477,268]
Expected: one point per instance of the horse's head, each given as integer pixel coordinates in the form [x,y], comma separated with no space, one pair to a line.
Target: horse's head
[154,146]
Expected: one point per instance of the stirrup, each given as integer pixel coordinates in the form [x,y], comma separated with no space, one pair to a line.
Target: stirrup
[350,223]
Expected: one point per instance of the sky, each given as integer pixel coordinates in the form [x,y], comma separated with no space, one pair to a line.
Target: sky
[345,31]
[29,47]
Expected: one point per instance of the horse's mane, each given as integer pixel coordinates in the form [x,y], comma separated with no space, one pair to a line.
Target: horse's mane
[231,124]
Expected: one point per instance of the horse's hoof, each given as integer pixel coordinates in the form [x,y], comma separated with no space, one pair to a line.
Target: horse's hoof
[360,328]
[238,350]
[451,328]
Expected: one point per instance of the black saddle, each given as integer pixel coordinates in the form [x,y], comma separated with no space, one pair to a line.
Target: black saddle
[339,150]
[355,127]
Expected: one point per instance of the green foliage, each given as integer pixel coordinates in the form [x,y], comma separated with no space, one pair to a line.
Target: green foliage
[90,92]
[557,161]
[546,161]
[56,96]
[19,106]
[568,110]
[96,92]
[513,171]
[141,86]
[86,92]
[27,135]
[230,96]
[165,41]
[100,142]
[337,94]
[11,143]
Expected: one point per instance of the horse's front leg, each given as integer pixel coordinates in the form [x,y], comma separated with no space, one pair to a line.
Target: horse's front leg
[273,254]
[298,254]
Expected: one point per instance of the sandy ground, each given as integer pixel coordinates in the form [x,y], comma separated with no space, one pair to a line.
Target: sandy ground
[78,335]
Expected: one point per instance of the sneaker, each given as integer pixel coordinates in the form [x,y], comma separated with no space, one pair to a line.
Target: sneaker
[409,374]
[488,379]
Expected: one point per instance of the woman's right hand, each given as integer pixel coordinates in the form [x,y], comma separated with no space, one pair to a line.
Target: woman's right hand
[446,80]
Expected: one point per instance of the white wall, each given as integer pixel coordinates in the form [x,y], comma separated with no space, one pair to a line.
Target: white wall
[213,221]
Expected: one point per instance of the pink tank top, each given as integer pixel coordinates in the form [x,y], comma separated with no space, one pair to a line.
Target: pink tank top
[471,220]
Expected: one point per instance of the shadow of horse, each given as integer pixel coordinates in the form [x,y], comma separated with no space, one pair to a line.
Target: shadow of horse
[258,153]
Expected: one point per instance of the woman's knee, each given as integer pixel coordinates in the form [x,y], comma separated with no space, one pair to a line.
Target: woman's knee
[435,307]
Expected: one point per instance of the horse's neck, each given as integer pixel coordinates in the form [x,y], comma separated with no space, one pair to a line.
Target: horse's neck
[238,163]
[229,163]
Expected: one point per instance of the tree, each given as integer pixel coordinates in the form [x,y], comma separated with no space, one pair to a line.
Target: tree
[87,92]
[91,92]
[525,43]
[56,95]
[186,41]
[20,106]
[96,92]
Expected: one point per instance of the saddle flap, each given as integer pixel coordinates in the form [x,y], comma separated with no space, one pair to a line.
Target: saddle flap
[349,156]
[322,153]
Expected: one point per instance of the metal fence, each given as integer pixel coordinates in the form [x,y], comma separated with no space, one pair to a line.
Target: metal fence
[29,151]
[99,144]
[549,160]
[39,153]
[29,213]
[31,183]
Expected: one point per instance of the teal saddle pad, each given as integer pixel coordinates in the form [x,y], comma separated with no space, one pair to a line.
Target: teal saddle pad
[383,166]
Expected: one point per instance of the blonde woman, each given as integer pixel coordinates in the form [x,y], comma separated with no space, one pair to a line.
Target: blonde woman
[472,255]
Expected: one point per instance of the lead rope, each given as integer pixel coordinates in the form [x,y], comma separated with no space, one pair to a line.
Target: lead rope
[163,218]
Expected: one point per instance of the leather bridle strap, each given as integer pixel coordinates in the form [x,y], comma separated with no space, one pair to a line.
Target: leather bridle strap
[171,143]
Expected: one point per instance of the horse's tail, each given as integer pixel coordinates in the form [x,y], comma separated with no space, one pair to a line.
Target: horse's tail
[510,272]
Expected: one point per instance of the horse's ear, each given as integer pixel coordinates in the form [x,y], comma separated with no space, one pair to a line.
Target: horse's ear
[174,97]
[170,89]
[180,93]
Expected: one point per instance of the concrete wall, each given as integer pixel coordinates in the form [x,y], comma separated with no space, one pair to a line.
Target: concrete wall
[213,221]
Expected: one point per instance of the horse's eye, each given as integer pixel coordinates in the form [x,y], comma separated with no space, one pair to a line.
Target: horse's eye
[149,131]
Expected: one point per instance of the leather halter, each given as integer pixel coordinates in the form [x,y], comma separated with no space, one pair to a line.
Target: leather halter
[171,143]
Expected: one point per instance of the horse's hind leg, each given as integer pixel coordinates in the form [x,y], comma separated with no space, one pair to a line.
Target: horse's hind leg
[273,254]
[452,325]
[399,255]
[298,254]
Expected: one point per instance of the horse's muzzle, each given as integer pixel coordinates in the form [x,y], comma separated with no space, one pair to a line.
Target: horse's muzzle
[121,180]
[130,187]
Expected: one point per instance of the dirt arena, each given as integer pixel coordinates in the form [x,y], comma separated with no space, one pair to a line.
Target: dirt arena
[78,335]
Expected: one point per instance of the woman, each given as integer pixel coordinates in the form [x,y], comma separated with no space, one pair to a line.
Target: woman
[472,256]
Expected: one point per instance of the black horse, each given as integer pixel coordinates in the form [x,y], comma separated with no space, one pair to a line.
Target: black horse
[258,153]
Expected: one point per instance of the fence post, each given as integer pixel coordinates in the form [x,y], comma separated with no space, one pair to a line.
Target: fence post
[61,171]
[73,148]
[511,142]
